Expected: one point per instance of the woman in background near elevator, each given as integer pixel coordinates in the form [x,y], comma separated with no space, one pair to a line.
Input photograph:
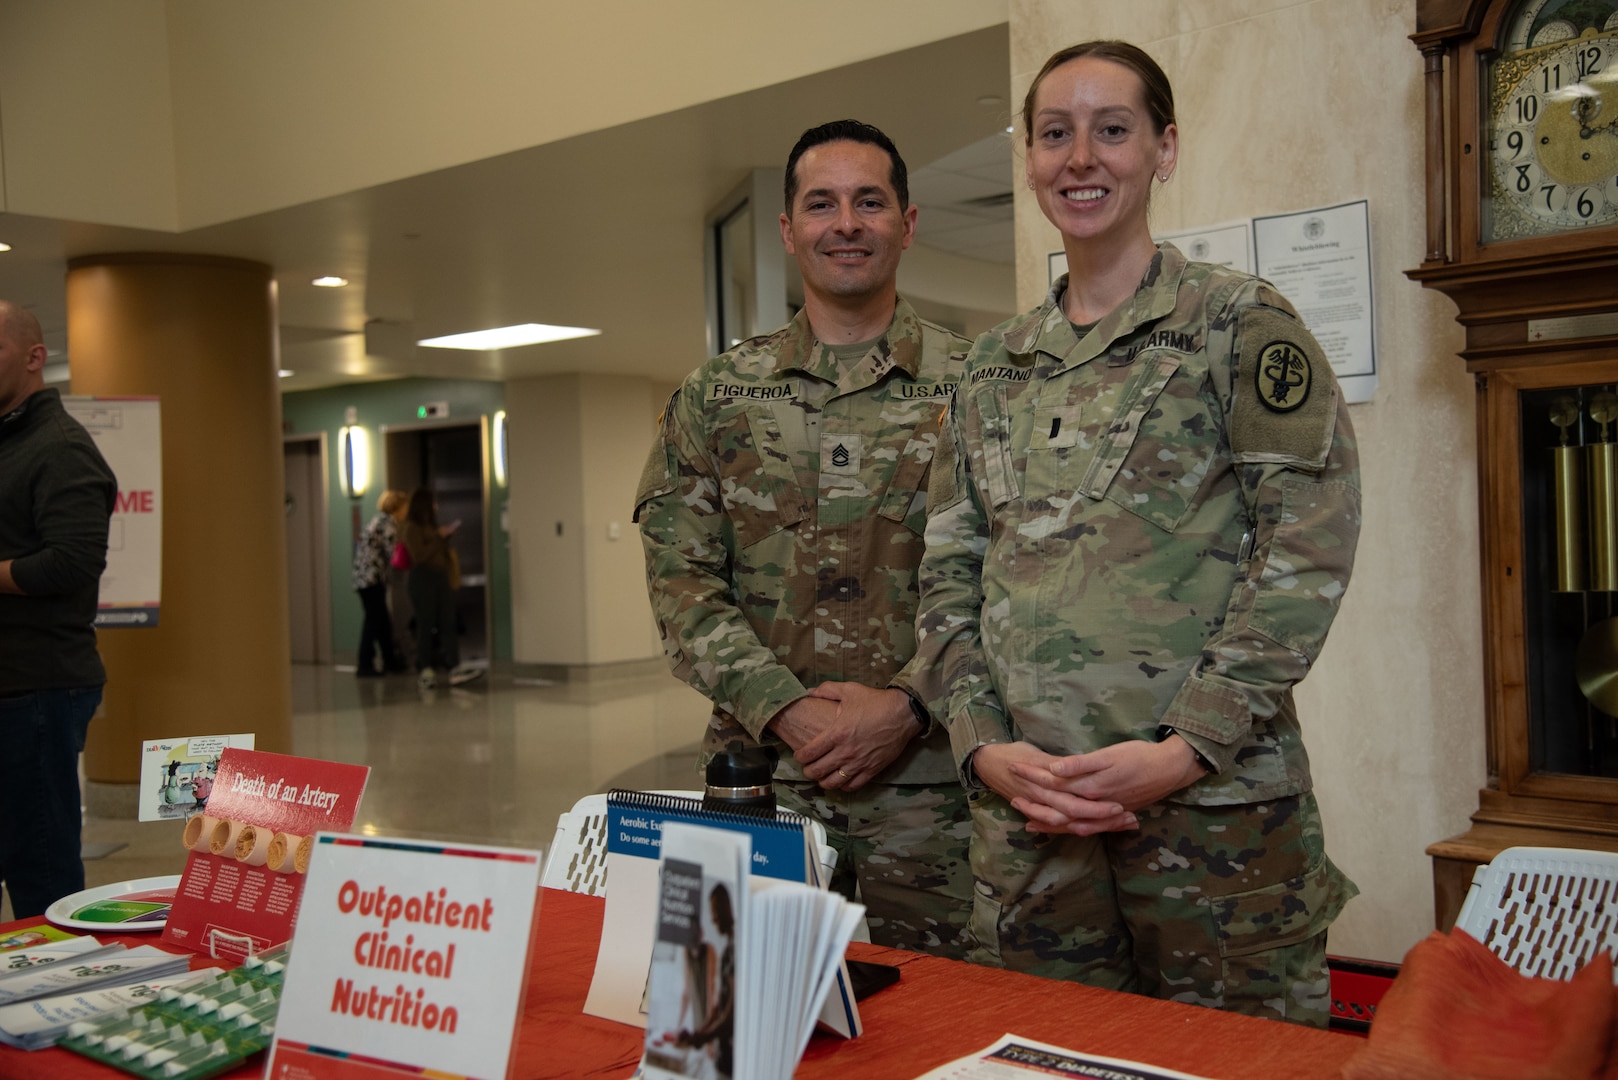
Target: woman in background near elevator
[1142,519]
[372,555]
[435,574]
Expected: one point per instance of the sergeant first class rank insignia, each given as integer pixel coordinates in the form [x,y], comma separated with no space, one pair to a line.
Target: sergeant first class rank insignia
[1282,376]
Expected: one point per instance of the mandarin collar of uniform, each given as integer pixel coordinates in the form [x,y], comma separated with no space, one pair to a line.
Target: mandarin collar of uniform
[899,347]
[1048,331]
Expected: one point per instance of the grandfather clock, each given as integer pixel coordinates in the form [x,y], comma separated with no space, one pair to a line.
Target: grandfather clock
[1522,234]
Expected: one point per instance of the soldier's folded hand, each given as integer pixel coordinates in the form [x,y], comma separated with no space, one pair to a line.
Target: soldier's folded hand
[1133,774]
[1020,772]
[871,729]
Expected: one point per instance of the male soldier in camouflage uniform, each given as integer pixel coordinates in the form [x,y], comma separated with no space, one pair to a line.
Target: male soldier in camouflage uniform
[782,511]
[1138,549]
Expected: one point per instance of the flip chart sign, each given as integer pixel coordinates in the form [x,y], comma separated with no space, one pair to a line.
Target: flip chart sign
[129,433]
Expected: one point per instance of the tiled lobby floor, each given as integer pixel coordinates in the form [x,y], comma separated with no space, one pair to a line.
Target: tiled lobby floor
[493,762]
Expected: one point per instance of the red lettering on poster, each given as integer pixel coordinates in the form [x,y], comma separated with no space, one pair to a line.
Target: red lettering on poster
[135,502]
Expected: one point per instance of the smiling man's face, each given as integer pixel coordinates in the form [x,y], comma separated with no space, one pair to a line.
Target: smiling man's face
[846,228]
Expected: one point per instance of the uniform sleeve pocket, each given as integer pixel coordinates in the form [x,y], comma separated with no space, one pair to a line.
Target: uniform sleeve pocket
[656,478]
[1307,568]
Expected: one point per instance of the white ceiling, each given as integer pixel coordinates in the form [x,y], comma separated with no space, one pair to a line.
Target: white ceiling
[601,230]
[967,196]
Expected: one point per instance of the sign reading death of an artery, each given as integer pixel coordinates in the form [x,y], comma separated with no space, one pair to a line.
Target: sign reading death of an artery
[250,850]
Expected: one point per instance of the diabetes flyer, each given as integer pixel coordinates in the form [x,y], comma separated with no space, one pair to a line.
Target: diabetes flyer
[250,849]
[409,958]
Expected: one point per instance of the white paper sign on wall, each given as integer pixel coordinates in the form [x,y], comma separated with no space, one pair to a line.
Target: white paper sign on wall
[129,434]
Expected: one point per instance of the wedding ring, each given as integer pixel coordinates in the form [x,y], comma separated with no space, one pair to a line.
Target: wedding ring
[844,775]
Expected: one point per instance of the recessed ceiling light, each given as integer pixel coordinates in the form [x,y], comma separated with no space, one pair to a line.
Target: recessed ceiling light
[329,282]
[285,373]
[508,337]
[5,247]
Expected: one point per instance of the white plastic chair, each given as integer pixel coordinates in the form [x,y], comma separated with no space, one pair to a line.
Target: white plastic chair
[577,861]
[1544,911]
[578,857]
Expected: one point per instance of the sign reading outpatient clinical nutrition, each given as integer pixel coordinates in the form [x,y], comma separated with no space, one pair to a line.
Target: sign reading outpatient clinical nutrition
[409,958]
[128,432]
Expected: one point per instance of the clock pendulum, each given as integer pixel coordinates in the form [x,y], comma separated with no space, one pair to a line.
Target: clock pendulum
[1568,472]
[1602,457]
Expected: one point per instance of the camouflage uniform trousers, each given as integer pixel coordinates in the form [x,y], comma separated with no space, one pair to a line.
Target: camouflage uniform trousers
[1222,906]
[907,847]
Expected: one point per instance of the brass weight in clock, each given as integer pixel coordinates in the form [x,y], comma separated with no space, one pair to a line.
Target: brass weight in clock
[1568,493]
[1602,460]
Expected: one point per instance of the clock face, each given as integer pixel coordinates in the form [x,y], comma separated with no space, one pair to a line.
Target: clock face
[1553,150]
[1553,122]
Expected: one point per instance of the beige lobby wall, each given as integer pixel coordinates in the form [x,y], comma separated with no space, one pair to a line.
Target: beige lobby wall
[547,571]
[278,104]
[1394,712]
[615,436]
[86,124]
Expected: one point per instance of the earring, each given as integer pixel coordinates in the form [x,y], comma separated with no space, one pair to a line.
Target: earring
[1030,185]
[1163,179]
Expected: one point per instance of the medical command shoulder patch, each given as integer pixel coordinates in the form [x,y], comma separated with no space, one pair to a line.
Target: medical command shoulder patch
[1282,376]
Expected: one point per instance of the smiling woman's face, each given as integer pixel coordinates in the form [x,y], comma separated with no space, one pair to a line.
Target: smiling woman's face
[1094,150]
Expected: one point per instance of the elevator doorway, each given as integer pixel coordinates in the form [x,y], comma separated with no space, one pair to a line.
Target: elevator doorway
[308,573]
[449,459]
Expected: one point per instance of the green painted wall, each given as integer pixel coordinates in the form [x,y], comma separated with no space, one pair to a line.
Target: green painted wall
[389,403]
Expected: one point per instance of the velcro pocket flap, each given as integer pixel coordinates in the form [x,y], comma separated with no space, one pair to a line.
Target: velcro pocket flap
[1282,914]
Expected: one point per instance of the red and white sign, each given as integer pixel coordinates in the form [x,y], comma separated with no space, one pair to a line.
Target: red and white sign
[410,959]
[250,851]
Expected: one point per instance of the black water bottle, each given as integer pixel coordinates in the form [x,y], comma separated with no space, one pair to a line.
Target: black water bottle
[742,781]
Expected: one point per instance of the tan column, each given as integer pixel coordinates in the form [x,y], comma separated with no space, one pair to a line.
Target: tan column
[198,332]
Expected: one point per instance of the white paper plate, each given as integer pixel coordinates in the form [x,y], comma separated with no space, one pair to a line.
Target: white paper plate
[101,908]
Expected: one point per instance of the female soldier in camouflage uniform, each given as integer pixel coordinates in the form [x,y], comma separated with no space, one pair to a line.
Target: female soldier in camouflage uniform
[1148,527]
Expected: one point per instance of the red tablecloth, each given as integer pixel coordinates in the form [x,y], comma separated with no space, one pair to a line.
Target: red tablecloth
[940,1010]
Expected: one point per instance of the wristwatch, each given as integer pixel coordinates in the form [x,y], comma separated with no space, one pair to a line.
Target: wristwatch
[919,711]
[1165,731]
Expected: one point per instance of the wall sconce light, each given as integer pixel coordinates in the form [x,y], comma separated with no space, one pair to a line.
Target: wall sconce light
[500,448]
[354,450]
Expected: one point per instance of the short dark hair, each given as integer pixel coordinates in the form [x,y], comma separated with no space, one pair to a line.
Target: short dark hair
[1155,85]
[848,131]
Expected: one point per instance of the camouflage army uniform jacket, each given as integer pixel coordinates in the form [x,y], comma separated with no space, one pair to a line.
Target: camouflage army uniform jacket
[1146,530]
[782,512]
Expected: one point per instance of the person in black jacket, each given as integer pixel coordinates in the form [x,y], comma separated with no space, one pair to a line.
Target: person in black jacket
[56,499]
